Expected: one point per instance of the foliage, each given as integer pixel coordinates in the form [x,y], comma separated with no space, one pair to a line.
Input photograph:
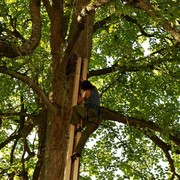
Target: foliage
[134,80]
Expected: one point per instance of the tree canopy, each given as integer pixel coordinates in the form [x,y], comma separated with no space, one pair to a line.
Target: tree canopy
[133,49]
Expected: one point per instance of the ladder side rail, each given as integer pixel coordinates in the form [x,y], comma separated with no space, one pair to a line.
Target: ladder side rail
[72,127]
[75,170]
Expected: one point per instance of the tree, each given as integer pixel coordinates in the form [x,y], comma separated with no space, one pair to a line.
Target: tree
[140,90]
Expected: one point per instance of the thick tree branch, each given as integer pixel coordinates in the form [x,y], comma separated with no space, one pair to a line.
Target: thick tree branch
[104,21]
[103,71]
[161,144]
[115,116]
[35,118]
[130,19]
[142,4]
[11,50]
[91,7]
[22,121]
[17,134]
[13,113]
[48,7]
[100,24]
[41,149]
[9,139]
[120,68]
[30,83]
[56,28]
[165,148]
[133,68]
[13,149]
[140,123]
[26,150]
[175,139]
[15,32]
[78,25]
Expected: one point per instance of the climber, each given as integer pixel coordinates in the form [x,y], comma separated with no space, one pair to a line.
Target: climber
[89,113]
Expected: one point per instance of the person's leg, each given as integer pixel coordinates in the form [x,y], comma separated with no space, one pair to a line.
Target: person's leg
[84,137]
[94,116]
[77,114]
[92,123]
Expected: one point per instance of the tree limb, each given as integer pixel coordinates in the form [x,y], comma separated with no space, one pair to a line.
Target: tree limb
[48,7]
[165,148]
[11,50]
[30,83]
[103,71]
[41,148]
[9,139]
[21,132]
[133,68]
[108,114]
[78,23]
[91,7]
[119,68]
[144,5]
[101,23]
[13,149]
[118,117]
[130,19]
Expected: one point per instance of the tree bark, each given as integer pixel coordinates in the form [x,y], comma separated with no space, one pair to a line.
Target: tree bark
[58,124]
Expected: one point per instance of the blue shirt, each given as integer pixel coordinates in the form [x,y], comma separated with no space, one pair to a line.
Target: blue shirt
[93,99]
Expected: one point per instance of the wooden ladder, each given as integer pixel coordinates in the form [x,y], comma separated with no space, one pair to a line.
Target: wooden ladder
[72,168]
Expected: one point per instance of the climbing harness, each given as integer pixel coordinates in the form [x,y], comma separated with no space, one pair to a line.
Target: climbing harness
[98,114]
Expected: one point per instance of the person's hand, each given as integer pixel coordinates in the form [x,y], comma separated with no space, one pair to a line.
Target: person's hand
[79,94]
[81,80]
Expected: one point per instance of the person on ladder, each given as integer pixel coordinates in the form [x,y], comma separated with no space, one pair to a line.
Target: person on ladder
[89,114]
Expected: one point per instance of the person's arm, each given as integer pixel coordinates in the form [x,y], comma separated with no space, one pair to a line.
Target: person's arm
[85,95]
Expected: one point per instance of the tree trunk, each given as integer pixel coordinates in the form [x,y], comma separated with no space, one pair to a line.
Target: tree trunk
[56,146]
[58,125]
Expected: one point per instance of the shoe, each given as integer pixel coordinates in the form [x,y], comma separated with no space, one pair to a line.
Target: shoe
[75,155]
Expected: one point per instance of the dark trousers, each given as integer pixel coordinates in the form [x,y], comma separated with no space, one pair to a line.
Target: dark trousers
[91,121]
